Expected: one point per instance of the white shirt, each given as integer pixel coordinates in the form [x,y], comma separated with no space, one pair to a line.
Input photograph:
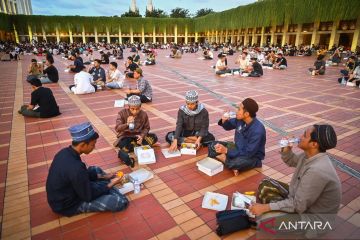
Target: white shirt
[82,81]
[117,77]
[219,63]
[210,54]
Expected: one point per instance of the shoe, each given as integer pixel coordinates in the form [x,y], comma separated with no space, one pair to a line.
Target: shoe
[124,157]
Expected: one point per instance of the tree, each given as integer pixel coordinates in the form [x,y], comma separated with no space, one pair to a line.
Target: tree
[179,13]
[131,14]
[156,13]
[203,12]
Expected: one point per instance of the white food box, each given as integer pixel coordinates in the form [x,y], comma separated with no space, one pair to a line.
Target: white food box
[215,201]
[142,175]
[120,103]
[145,155]
[167,154]
[239,201]
[210,166]
[67,70]
[188,149]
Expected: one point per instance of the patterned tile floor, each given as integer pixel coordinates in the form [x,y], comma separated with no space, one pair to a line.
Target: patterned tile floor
[169,206]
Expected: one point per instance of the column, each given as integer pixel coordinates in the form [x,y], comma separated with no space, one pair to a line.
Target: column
[216,37]
[298,34]
[107,35]
[273,29]
[57,35]
[142,35]
[16,35]
[186,34]
[175,34]
[333,33]
[196,36]
[284,36]
[83,35]
[226,35]
[4,5]
[232,37]
[253,40]
[96,36]
[165,40]
[120,36]
[30,33]
[44,34]
[71,36]
[154,35]
[131,35]
[262,39]
[246,37]
[355,40]
[315,35]
[238,36]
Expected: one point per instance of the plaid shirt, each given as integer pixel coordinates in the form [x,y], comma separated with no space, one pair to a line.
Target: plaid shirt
[144,87]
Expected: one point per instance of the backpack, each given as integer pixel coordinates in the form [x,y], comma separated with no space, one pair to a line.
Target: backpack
[230,221]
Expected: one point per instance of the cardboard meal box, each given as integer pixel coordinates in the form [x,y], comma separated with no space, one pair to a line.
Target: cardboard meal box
[241,201]
[145,154]
[120,103]
[167,154]
[188,149]
[210,166]
[142,175]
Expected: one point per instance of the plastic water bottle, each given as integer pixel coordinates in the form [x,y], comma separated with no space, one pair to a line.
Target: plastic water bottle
[343,81]
[286,142]
[131,126]
[136,186]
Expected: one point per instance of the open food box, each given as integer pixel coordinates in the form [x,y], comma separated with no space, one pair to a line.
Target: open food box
[145,154]
[210,166]
[188,149]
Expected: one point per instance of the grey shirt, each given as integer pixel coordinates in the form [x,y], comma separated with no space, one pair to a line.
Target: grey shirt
[198,123]
[314,188]
[144,87]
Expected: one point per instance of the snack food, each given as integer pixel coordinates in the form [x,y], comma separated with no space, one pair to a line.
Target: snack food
[120,174]
[213,202]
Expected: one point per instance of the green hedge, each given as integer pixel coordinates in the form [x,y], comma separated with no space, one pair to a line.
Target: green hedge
[263,13]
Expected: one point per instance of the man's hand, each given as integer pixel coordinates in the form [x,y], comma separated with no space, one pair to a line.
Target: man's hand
[139,139]
[130,119]
[173,146]
[106,176]
[258,209]
[219,148]
[225,117]
[198,143]
[114,181]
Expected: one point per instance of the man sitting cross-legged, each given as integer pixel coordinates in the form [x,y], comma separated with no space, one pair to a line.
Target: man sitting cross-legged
[72,188]
[192,124]
[221,65]
[83,83]
[132,128]
[143,88]
[250,137]
[130,67]
[314,193]
[42,104]
[98,73]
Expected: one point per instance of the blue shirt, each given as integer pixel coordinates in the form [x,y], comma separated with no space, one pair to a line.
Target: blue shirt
[249,139]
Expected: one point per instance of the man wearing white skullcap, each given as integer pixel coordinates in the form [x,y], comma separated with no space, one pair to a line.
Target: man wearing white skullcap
[192,124]
[132,127]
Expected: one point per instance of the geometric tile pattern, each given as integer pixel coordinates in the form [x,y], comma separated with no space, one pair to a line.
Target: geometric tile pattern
[169,206]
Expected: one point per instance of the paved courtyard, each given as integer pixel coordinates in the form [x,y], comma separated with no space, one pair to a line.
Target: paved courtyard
[169,206]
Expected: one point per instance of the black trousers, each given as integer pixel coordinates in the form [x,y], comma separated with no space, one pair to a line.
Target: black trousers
[204,141]
[143,98]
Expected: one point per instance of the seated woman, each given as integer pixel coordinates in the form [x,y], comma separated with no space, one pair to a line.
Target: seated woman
[150,60]
[269,59]
[34,70]
[42,104]
[335,58]
[319,66]
[114,78]
[192,124]
[132,128]
[314,192]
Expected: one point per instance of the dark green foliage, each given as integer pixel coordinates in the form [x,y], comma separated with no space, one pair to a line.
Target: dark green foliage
[203,12]
[156,13]
[179,13]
